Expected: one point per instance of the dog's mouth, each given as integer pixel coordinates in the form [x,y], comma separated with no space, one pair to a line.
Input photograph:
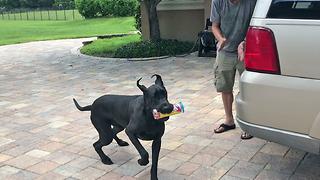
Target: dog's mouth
[160,116]
[163,119]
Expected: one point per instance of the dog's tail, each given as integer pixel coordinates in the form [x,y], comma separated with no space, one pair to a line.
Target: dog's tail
[86,108]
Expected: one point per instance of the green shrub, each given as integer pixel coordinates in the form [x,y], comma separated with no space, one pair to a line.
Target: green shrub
[118,8]
[132,47]
[106,8]
[88,8]
[137,17]
[66,4]
[154,48]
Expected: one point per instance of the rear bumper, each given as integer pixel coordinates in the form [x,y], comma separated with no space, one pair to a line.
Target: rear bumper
[291,139]
[281,109]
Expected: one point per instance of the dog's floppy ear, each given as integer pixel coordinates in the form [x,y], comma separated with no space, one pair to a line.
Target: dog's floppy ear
[141,87]
[158,80]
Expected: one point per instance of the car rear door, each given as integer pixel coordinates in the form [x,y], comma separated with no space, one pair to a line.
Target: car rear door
[298,22]
[296,27]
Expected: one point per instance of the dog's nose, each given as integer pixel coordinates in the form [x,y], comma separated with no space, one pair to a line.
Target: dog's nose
[167,108]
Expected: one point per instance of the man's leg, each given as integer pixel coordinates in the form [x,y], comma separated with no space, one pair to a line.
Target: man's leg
[224,70]
[227,98]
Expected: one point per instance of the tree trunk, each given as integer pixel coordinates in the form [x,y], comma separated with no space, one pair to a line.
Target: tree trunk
[154,28]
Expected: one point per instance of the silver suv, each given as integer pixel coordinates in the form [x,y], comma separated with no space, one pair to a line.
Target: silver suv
[279,97]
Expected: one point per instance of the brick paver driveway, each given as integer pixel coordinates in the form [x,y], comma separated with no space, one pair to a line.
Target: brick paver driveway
[43,135]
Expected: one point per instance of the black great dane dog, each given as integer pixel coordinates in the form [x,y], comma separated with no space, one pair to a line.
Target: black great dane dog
[110,114]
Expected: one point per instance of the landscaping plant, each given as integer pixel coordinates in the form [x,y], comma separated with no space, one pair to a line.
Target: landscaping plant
[133,47]
[106,8]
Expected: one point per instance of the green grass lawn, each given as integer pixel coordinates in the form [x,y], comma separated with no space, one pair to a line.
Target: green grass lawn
[42,15]
[19,31]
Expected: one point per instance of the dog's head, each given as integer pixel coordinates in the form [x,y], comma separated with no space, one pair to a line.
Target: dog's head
[155,96]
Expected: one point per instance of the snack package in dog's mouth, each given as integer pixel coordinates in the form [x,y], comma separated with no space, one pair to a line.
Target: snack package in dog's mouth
[177,108]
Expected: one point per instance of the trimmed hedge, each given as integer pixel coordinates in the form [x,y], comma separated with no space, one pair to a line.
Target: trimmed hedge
[106,8]
[137,17]
[154,48]
[88,8]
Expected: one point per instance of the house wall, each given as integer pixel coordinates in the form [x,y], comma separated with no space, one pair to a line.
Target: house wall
[181,20]
[207,8]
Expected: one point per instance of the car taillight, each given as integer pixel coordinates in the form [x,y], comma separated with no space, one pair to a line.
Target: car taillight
[261,53]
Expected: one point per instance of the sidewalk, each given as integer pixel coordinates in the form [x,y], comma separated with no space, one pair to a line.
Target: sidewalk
[43,136]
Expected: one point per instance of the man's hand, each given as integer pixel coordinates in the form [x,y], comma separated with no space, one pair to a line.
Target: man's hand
[241,51]
[217,33]
[222,43]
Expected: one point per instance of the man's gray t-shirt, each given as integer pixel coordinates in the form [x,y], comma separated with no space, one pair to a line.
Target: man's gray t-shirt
[234,21]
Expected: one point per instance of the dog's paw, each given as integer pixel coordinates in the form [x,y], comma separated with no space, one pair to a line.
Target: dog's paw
[107,161]
[143,162]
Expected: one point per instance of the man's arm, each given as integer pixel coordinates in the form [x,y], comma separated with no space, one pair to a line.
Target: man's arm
[241,51]
[217,33]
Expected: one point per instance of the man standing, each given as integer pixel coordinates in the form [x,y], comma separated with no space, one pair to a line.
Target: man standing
[230,21]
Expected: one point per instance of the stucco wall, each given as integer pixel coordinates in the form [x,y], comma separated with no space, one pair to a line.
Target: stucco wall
[178,20]
[207,8]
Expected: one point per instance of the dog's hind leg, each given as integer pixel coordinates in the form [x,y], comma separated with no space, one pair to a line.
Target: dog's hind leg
[116,130]
[104,158]
[105,138]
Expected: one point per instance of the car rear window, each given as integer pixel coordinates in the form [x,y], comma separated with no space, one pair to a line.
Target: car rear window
[293,9]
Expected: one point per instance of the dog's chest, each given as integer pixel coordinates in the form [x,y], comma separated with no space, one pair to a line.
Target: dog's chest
[150,133]
[147,135]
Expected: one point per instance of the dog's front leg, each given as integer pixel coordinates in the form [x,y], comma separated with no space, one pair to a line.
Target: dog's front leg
[143,153]
[156,146]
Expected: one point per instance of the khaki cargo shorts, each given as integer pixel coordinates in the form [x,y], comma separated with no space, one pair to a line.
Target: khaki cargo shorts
[225,70]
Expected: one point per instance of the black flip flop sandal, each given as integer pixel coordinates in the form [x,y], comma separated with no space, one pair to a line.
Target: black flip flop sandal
[225,128]
[246,137]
